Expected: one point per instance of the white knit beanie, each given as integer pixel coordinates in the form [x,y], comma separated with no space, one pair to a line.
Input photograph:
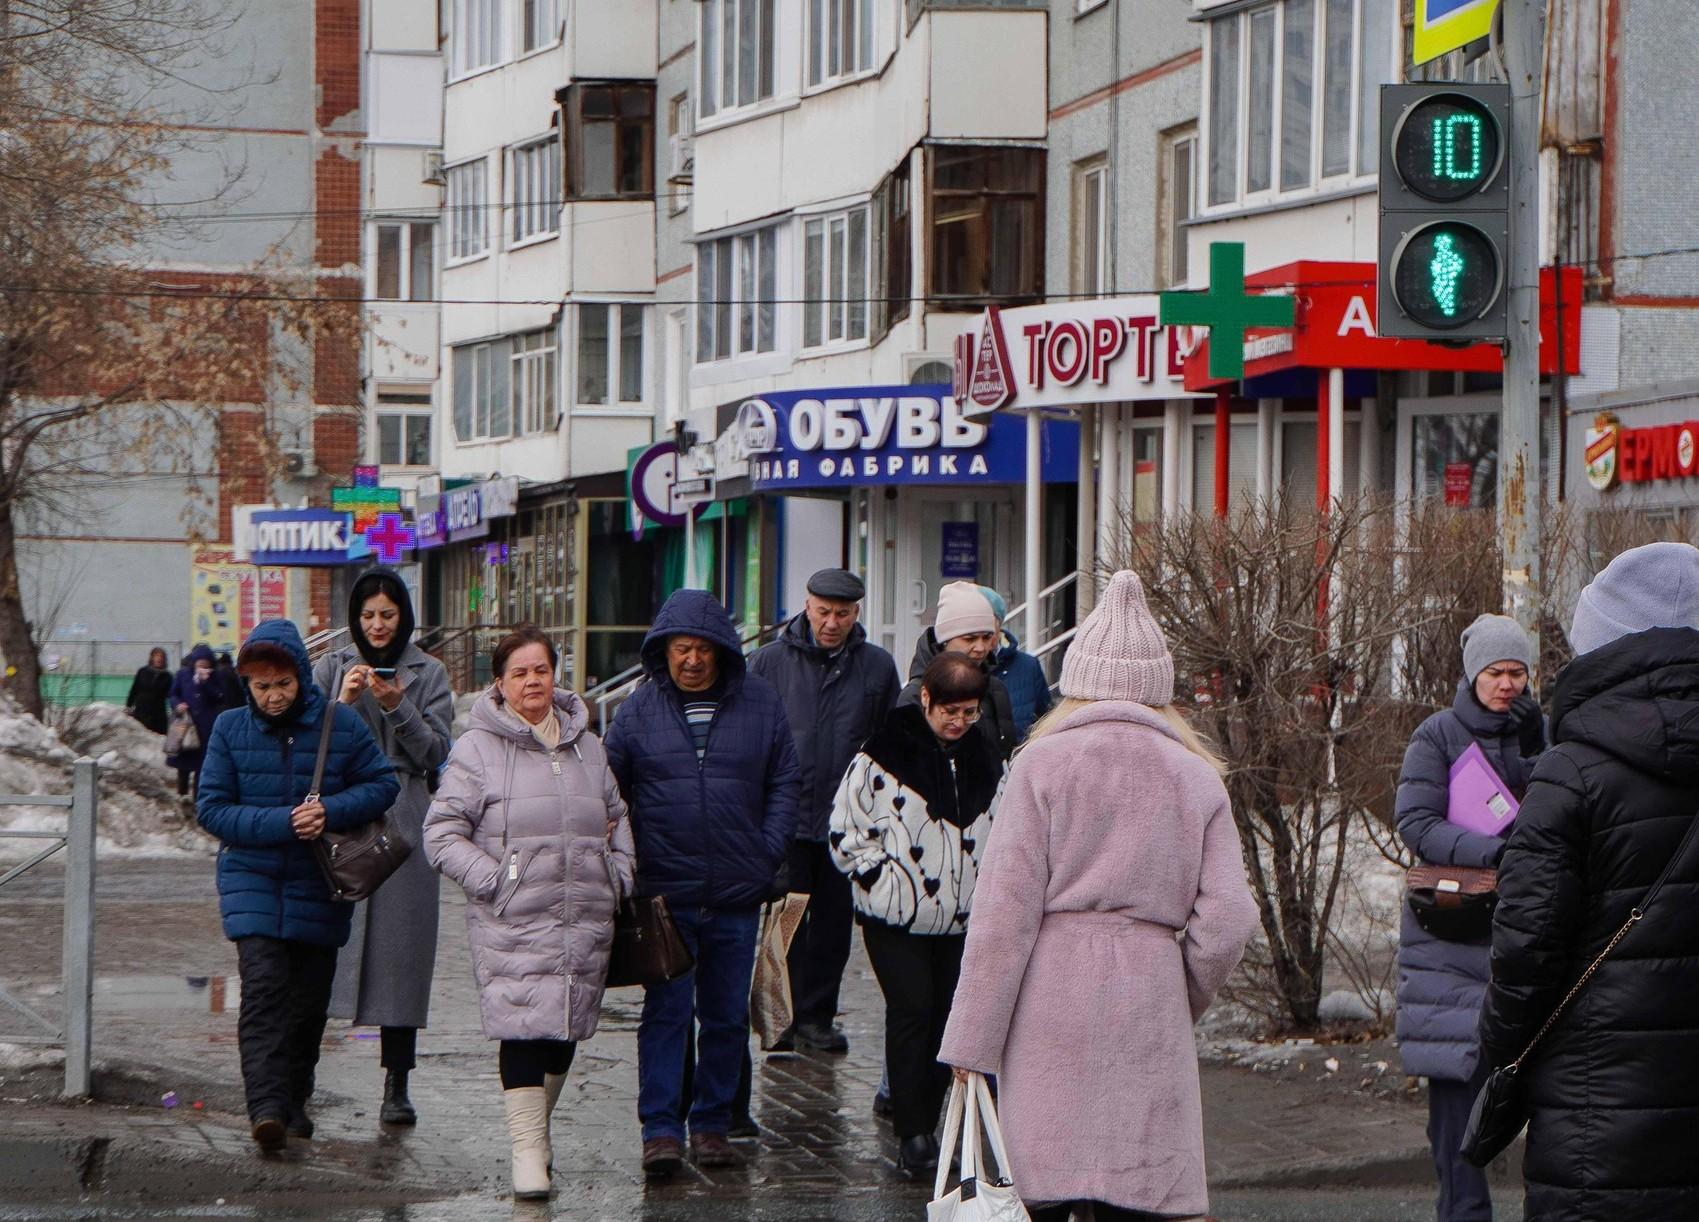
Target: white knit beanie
[963,610]
[1119,652]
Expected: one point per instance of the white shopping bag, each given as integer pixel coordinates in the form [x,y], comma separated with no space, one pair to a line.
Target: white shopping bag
[978,1198]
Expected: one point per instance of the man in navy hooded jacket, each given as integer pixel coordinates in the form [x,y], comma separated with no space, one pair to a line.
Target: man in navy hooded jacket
[704,755]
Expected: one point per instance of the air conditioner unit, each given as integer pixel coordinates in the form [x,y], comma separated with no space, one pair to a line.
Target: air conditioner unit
[682,149]
[433,170]
[299,464]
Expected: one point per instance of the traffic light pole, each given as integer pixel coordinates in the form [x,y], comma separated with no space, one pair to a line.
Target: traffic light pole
[1519,488]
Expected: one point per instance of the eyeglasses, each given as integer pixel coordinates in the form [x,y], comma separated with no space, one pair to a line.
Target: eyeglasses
[968,715]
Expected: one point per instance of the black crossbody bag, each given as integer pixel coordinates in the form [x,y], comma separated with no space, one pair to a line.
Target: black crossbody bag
[354,863]
[1501,1109]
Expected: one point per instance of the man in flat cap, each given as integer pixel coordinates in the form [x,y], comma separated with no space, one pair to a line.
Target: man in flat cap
[837,687]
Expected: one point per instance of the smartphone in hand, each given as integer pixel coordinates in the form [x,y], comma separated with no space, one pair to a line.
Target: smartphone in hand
[384,672]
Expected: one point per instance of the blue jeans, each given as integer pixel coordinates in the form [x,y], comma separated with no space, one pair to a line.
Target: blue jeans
[717,993]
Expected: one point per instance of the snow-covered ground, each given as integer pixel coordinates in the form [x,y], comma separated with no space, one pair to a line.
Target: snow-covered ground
[139,812]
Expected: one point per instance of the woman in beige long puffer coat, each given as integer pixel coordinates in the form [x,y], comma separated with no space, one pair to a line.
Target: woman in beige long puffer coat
[530,822]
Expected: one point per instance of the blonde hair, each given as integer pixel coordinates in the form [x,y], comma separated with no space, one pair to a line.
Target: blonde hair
[1183,730]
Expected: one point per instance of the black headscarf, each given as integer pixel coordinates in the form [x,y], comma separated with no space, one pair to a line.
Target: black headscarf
[386,582]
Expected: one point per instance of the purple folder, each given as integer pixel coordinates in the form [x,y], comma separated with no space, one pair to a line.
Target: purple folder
[1478,800]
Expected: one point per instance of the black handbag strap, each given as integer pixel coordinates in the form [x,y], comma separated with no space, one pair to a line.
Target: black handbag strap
[324,739]
[1635,915]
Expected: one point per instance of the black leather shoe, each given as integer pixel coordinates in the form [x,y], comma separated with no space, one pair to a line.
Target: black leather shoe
[270,1134]
[397,1108]
[815,1038]
[918,1154]
[300,1124]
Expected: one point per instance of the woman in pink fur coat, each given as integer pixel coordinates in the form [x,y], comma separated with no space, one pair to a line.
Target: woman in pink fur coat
[1111,906]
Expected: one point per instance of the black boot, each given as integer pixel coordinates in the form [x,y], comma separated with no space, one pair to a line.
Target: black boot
[299,1123]
[397,1108]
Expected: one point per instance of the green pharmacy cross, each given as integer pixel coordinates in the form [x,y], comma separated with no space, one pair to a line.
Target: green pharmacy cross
[1227,310]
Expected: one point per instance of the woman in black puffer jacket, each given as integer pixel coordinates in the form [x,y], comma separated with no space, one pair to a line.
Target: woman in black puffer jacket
[1613,1088]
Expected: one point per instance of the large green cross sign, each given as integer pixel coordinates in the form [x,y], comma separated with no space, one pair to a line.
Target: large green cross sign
[1227,310]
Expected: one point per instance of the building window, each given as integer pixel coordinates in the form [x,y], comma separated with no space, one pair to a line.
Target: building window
[1293,95]
[476,32]
[834,278]
[539,23]
[681,154]
[737,292]
[1085,6]
[483,404]
[840,39]
[987,219]
[406,261]
[534,190]
[1091,236]
[610,355]
[534,381]
[610,141]
[1179,159]
[404,428]
[736,49]
[468,208]
[893,249]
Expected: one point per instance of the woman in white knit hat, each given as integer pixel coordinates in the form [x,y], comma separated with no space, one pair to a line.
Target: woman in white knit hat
[965,623]
[1111,906]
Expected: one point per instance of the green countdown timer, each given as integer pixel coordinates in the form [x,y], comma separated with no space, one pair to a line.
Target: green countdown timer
[1447,274]
[1447,147]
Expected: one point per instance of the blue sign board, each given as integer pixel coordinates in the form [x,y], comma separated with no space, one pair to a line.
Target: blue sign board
[961,550]
[892,435]
[306,538]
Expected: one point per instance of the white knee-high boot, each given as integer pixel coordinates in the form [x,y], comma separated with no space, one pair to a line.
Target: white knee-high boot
[528,1127]
[552,1086]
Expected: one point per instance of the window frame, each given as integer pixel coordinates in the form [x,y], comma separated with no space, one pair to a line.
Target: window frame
[523,29]
[680,127]
[730,311]
[893,248]
[494,27]
[406,262]
[817,301]
[615,402]
[1033,196]
[713,48]
[548,147]
[572,107]
[1090,173]
[1082,7]
[460,212]
[534,381]
[1174,268]
[863,35]
[407,406]
[1361,79]
[487,366]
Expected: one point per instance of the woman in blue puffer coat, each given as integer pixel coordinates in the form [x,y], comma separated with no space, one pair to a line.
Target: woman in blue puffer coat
[1441,984]
[275,903]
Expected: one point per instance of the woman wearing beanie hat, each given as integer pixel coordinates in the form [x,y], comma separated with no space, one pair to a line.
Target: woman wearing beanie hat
[1441,981]
[1078,988]
[965,623]
[1613,1089]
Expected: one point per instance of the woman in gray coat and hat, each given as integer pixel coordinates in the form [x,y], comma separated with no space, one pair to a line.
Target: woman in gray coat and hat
[530,822]
[1442,983]
[383,977]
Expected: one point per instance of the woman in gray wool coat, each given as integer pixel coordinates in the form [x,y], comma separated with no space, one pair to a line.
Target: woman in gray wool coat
[530,821]
[383,976]
[1441,984]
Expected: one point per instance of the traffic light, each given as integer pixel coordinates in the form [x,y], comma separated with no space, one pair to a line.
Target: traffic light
[1444,211]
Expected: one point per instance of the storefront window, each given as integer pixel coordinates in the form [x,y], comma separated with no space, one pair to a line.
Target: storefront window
[618,592]
[1457,459]
[1241,466]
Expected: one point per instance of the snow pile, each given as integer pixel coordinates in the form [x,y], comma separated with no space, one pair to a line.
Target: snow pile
[139,811]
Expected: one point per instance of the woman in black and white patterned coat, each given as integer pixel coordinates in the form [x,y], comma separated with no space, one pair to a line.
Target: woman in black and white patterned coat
[909,827]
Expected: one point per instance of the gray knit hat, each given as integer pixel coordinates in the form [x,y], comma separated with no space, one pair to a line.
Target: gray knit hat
[1119,652]
[1494,638]
[1655,586]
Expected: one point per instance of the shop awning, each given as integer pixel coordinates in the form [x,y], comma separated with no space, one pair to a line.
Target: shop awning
[1335,329]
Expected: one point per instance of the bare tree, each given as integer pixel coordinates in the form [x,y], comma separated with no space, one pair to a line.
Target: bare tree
[104,363]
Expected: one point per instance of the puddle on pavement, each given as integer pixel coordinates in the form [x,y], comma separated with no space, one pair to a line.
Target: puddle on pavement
[133,994]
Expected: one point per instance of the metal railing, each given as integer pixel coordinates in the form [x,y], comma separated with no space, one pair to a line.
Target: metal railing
[1035,633]
[76,1031]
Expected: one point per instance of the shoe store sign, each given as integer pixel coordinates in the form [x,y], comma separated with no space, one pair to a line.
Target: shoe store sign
[889,435]
[1102,351]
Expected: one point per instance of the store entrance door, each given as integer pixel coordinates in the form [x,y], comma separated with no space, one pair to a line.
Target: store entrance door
[945,535]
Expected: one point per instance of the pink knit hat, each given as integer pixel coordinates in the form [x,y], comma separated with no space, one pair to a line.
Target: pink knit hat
[1119,652]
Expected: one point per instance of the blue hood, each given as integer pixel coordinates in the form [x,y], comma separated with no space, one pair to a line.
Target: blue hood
[693,613]
[201,653]
[283,633]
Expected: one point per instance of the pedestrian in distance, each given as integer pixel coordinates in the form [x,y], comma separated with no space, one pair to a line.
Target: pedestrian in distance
[1021,673]
[837,687]
[965,623]
[909,828]
[1111,905]
[224,668]
[149,692]
[276,906]
[1613,1087]
[1442,980]
[383,976]
[198,694]
[704,756]
[530,822]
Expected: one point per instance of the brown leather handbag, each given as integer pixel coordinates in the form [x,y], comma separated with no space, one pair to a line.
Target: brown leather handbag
[1453,903]
[354,863]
